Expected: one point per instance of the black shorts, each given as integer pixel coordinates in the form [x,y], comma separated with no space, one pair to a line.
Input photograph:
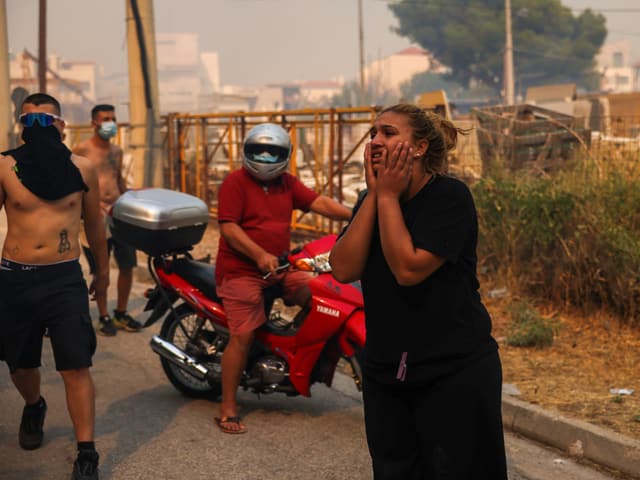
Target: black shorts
[54,297]
[124,254]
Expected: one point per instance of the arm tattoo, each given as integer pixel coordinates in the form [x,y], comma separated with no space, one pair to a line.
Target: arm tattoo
[65,245]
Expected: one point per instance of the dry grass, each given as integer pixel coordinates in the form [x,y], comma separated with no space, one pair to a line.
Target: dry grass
[589,356]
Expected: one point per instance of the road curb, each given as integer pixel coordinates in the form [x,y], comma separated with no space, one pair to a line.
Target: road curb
[576,437]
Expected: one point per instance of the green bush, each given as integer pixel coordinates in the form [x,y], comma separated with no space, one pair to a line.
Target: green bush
[528,328]
[572,237]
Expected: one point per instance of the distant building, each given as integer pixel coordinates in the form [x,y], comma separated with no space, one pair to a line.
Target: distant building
[319,93]
[221,102]
[559,97]
[617,75]
[210,74]
[73,83]
[187,77]
[289,96]
[256,98]
[114,89]
[387,74]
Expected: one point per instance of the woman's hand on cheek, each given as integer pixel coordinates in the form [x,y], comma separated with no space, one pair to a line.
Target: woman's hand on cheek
[369,172]
[393,178]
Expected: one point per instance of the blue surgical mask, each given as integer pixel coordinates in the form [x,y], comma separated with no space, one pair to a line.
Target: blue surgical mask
[265,158]
[107,130]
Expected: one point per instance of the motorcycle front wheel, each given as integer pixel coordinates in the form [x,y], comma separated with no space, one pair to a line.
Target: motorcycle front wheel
[354,368]
[191,334]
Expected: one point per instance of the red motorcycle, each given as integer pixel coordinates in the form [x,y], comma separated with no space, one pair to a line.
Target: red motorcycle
[285,357]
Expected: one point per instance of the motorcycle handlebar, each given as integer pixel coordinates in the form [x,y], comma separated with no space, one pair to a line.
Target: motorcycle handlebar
[279,269]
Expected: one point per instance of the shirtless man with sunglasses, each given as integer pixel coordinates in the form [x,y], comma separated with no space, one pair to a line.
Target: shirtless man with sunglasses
[46,191]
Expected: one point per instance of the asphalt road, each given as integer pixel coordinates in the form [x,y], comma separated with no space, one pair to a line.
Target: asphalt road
[146,430]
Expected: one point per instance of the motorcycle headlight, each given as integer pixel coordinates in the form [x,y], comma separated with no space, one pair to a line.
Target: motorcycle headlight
[319,263]
[322,262]
[305,264]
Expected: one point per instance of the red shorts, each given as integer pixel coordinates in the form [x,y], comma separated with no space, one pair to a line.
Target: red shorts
[244,301]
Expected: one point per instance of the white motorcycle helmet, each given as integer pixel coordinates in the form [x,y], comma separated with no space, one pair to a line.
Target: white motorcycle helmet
[266,151]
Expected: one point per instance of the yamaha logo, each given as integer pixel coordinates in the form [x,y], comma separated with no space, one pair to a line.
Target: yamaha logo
[328,311]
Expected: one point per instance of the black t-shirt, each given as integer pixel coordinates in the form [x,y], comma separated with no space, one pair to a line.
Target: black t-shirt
[439,325]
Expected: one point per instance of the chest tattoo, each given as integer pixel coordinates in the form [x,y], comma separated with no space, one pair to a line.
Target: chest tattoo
[112,161]
[64,245]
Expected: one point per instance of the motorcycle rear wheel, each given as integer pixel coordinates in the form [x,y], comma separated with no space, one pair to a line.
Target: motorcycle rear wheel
[185,383]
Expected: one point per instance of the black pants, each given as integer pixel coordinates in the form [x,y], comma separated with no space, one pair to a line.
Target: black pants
[449,429]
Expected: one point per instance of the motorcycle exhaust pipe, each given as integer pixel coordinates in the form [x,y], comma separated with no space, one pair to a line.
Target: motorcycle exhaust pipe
[179,358]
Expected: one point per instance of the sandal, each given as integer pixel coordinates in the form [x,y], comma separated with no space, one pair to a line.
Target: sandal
[237,421]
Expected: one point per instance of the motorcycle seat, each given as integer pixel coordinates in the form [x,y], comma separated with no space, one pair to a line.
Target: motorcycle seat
[200,274]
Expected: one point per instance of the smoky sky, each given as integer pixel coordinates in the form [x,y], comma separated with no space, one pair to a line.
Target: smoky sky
[258,41]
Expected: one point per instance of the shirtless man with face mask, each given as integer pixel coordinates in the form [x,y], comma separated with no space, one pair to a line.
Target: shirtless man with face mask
[107,159]
[46,191]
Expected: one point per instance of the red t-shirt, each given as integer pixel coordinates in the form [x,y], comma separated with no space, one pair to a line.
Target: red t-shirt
[263,213]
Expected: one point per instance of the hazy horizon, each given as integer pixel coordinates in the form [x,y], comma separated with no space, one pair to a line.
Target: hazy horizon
[258,41]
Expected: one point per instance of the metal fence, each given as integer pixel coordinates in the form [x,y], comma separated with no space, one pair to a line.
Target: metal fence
[327,154]
[201,149]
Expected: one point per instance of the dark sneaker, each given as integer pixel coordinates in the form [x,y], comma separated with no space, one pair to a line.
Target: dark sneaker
[106,326]
[126,322]
[31,432]
[86,466]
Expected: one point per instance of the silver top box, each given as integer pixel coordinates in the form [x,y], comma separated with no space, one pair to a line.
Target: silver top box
[160,209]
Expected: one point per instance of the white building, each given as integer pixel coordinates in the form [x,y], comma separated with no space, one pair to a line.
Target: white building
[187,77]
[319,93]
[257,98]
[178,61]
[617,75]
[210,77]
[72,83]
[387,74]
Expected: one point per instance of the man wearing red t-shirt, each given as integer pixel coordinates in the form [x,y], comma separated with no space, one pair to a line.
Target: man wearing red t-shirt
[255,204]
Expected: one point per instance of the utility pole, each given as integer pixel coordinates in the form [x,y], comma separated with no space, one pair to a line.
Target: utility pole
[6,120]
[42,47]
[143,94]
[361,42]
[508,57]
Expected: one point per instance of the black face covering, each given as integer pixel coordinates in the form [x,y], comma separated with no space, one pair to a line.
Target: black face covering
[44,166]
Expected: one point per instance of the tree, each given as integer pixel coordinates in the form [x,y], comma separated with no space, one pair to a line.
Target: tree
[428,81]
[550,44]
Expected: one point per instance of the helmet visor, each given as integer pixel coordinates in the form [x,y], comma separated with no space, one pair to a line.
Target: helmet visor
[266,153]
